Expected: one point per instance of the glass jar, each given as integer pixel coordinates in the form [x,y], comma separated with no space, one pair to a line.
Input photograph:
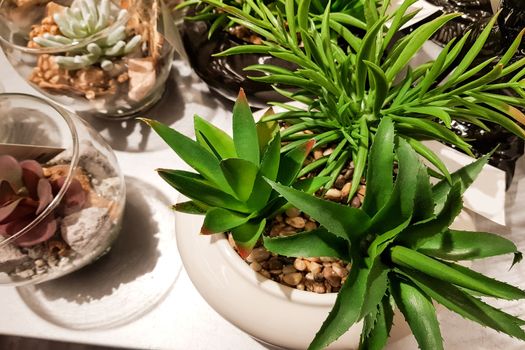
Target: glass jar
[66,186]
[105,58]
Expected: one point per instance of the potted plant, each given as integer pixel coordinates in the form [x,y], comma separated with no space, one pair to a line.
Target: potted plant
[207,31]
[102,57]
[364,118]
[61,192]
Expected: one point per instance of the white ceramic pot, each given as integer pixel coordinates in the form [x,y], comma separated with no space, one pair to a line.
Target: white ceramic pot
[268,311]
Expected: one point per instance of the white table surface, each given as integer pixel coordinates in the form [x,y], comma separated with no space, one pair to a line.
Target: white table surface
[182,319]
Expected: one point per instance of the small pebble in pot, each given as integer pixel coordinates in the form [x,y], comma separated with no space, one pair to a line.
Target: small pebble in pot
[293,279]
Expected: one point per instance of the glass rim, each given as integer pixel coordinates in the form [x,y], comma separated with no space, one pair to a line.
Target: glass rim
[65,115]
[66,48]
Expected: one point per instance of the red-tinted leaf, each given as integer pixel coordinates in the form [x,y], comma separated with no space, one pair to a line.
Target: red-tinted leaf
[7,193]
[11,171]
[41,233]
[45,195]
[74,198]
[31,173]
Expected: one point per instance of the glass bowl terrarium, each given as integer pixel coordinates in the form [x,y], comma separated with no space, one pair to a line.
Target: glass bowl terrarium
[61,192]
[97,57]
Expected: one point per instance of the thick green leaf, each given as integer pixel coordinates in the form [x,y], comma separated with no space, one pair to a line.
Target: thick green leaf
[464,176]
[266,130]
[466,305]
[311,184]
[376,285]
[341,220]
[197,188]
[191,207]
[379,326]
[347,308]
[423,201]
[436,112]
[193,154]
[381,85]
[400,205]
[419,313]
[244,131]
[465,245]
[247,235]
[452,273]
[417,234]
[361,158]
[219,220]
[214,139]
[429,155]
[272,158]
[380,173]
[309,244]
[240,175]
[292,162]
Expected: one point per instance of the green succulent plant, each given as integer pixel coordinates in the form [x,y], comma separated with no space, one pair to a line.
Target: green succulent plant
[229,186]
[348,84]
[220,20]
[86,18]
[402,250]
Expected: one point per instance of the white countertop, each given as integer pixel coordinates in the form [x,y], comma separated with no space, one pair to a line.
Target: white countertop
[180,318]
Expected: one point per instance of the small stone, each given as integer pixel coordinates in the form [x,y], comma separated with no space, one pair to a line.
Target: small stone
[309,226]
[319,288]
[256,266]
[333,194]
[326,259]
[332,278]
[276,272]
[314,267]
[39,263]
[293,279]
[345,191]
[296,222]
[356,202]
[340,182]
[328,151]
[265,273]
[80,230]
[275,264]
[11,257]
[289,269]
[279,218]
[259,254]
[309,277]
[300,286]
[339,270]
[362,190]
[142,77]
[25,273]
[299,264]
[292,212]
[318,154]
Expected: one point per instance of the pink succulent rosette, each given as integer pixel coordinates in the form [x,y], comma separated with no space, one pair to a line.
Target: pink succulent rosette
[25,193]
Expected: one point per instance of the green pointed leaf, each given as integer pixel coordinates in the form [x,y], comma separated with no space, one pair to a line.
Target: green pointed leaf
[423,201]
[271,158]
[244,49]
[451,273]
[361,159]
[465,245]
[240,175]
[380,173]
[429,155]
[380,85]
[400,205]
[247,235]
[417,234]
[244,130]
[341,220]
[309,244]
[311,184]
[292,162]
[214,139]
[467,306]
[380,327]
[376,285]
[464,176]
[347,308]
[419,313]
[436,112]
[191,207]
[266,130]
[220,220]
[191,152]
[198,188]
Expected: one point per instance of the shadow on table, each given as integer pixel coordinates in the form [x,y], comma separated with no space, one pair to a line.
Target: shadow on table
[135,136]
[134,254]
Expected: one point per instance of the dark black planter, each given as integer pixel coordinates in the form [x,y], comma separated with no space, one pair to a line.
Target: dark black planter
[226,75]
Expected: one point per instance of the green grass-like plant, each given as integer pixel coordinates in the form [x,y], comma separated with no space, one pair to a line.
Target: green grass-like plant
[402,250]
[229,186]
[348,84]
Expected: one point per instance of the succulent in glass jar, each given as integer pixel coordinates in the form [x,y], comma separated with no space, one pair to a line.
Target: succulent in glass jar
[83,19]
[25,192]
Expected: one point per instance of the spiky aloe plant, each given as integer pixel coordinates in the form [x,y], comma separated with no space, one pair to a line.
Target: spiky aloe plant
[402,250]
[86,18]
[229,187]
[347,89]
[220,20]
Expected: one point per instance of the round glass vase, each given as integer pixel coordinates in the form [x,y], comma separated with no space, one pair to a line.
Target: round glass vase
[87,71]
[82,217]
